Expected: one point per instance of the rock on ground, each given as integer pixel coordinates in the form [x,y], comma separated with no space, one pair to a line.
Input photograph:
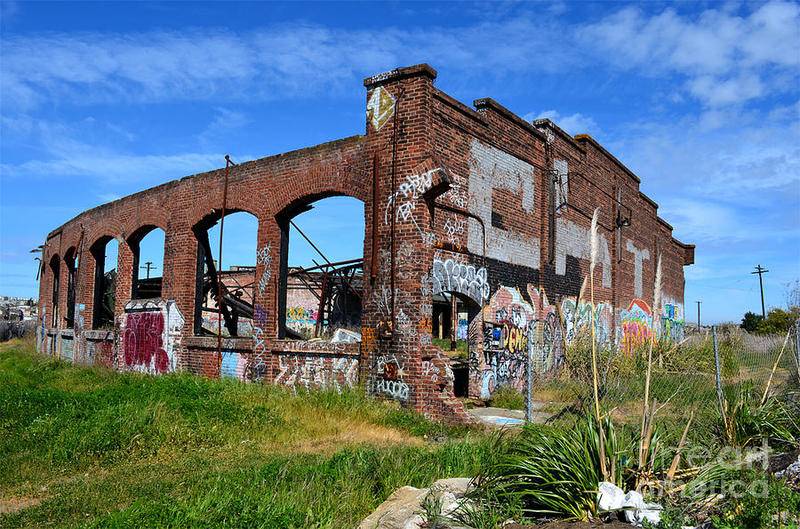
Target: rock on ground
[403,509]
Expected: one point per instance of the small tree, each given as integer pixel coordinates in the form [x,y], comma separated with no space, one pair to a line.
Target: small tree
[778,321]
[750,321]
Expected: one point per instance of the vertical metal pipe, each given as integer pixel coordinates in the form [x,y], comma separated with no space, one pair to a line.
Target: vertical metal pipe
[220,301]
[529,373]
[453,322]
[373,263]
[394,207]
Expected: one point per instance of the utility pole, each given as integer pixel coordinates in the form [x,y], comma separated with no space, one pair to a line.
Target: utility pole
[148,265]
[760,271]
[698,314]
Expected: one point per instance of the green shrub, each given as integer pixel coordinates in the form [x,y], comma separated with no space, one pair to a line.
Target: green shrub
[508,397]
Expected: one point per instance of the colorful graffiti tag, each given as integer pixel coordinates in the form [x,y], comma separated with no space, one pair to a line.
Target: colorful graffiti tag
[506,341]
[671,321]
[577,319]
[636,324]
[234,365]
[149,334]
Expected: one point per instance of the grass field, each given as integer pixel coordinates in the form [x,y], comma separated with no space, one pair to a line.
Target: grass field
[88,447]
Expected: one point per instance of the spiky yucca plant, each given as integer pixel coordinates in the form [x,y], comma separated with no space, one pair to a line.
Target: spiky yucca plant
[556,472]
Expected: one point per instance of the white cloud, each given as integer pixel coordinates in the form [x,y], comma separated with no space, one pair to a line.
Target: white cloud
[576,123]
[298,60]
[727,58]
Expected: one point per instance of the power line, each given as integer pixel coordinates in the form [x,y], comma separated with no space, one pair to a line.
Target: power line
[148,266]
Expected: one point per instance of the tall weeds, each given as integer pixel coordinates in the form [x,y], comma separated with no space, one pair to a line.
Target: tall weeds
[594,245]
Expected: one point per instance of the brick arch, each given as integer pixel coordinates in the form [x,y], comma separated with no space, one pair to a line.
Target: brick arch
[54,295]
[132,227]
[207,221]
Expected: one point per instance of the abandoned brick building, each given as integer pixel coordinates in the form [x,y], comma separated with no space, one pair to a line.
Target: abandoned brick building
[476,238]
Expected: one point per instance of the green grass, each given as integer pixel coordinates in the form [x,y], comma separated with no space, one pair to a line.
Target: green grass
[88,447]
[461,350]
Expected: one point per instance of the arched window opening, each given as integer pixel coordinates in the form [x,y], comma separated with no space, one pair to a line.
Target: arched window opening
[322,270]
[455,326]
[55,268]
[71,261]
[235,278]
[104,252]
[147,246]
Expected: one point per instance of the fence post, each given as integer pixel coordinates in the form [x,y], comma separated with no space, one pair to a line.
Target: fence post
[720,396]
[529,386]
[797,348]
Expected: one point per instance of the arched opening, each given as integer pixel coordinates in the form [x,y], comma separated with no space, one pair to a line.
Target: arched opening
[233,279]
[322,269]
[455,326]
[55,269]
[147,246]
[104,251]
[71,259]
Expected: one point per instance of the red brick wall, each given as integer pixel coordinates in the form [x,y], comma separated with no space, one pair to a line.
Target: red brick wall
[456,200]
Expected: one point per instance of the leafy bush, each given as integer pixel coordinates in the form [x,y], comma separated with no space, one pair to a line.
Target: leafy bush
[778,321]
[509,398]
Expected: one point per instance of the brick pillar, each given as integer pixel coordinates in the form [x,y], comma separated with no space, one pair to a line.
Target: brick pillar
[396,334]
[180,269]
[124,282]
[265,298]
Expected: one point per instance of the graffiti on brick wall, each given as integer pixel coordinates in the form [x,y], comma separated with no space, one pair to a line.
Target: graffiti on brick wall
[451,276]
[577,320]
[101,353]
[389,378]
[639,256]
[234,365]
[403,202]
[264,258]
[671,321]
[301,318]
[507,334]
[572,241]
[548,349]
[258,367]
[635,326]
[490,169]
[380,107]
[150,335]
[454,229]
[317,372]
[438,372]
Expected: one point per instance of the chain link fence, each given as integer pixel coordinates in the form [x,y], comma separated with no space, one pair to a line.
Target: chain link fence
[697,375]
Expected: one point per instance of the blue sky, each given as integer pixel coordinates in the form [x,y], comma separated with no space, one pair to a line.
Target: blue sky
[700,99]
